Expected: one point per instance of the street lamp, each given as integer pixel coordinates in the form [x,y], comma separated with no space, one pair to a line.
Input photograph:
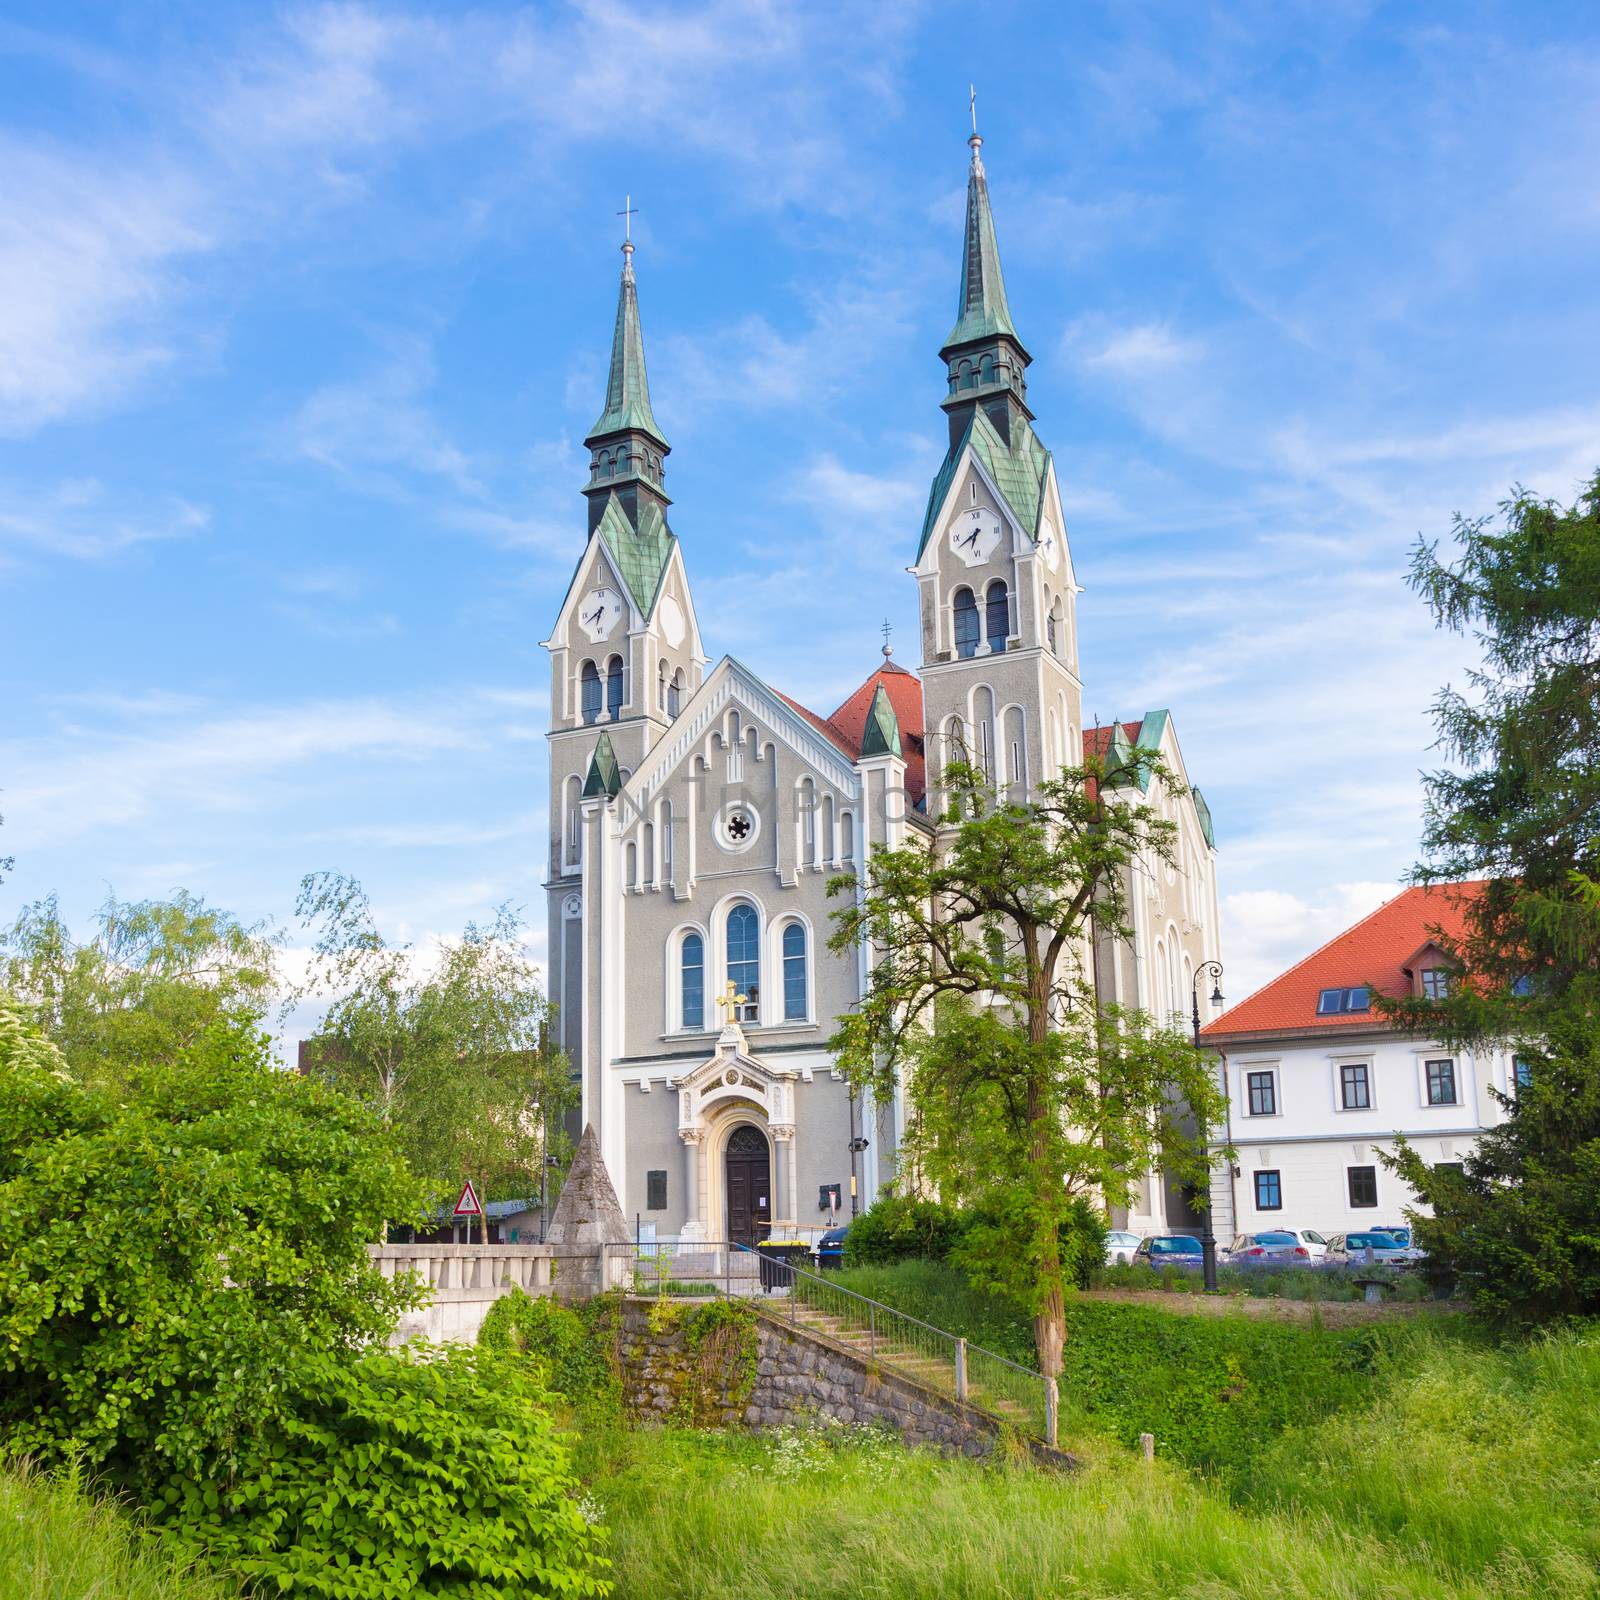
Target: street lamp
[1208,1239]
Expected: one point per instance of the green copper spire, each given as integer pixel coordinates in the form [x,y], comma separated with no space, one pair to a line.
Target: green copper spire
[627,387]
[604,778]
[881,736]
[981,312]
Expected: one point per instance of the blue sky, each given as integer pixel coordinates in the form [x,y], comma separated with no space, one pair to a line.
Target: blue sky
[305,313]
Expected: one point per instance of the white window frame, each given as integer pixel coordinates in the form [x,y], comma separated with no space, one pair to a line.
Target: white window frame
[1423,1101]
[1355,1059]
[1246,1069]
[1376,1168]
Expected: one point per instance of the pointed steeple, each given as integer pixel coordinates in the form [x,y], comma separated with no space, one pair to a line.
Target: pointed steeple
[981,312]
[626,445]
[627,385]
[604,777]
[985,357]
[881,736]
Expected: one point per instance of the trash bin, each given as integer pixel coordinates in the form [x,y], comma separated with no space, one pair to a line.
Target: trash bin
[830,1249]
[778,1261]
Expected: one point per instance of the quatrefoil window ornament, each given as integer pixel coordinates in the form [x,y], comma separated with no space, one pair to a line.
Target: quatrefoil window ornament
[739,827]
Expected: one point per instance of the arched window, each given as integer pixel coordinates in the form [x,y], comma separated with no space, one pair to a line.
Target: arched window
[966,623]
[632,854]
[744,959]
[661,686]
[1050,632]
[589,689]
[847,836]
[998,620]
[693,989]
[614,688]
[794,973]
[675,693]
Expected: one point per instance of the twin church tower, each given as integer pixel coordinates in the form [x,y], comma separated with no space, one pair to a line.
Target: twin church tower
[696,811]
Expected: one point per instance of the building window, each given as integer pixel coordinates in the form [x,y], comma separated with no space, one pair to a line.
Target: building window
[794,973]
[1455,1168]
[1441,1083]
[655,1191]
[614,688]
[1331,1001]
[997,615]
[744,959]
[1435,983]
[1050,631]
[1363,1187]
[675,693]
[966,624]
[1355,1086]
[694,981]
[1521,1071]
[589,689]
[1269,1191]
[1263,1093]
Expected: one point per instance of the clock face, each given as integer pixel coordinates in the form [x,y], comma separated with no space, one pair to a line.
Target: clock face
[599,613]
[672,621]
[1049,544]
[974,535]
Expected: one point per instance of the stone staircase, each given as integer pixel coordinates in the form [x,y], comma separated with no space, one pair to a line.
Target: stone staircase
[890,1347]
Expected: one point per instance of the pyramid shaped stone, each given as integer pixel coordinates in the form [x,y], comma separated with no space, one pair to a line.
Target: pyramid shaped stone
[588,1213]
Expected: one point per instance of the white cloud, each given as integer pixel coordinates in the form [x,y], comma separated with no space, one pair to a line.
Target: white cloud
[1267,931]
[1137,352]
[83,520]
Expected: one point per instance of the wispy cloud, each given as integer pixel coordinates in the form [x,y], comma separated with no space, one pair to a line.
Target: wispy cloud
[85,521]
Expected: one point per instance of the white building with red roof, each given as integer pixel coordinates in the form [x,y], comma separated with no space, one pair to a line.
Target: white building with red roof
[697,814]
[1319,1085]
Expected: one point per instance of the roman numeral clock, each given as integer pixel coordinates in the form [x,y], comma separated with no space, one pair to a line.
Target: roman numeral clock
[599,613]
[974,535]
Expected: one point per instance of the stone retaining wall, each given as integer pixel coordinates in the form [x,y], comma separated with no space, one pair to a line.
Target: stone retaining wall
[801,1377]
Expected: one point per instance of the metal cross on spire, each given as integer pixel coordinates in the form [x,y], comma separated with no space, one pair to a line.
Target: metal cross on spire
[628,212]
[972,102]
[886,630]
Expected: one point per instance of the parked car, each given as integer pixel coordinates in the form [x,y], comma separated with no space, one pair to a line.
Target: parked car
[1278,1246]
[1351,1249]
[1401,1232]
[1120,1246]
[830,1247]
[1170,1250]
[1316,1245]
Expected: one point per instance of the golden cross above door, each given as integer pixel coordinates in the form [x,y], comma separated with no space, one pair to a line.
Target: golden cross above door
[733,998]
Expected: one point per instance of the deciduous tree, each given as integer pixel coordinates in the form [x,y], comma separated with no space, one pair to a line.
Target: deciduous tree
[1027,1094]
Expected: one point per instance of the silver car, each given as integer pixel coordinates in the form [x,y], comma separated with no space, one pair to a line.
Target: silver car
[1356,1249]
[1120,1245]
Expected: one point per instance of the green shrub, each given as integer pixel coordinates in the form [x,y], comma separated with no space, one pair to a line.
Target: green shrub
[987,1250]
[425,1472]
[901,1228]
[568,1345]
[169,1256]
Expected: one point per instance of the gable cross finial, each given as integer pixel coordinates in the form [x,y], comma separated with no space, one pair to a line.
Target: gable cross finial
[886,630]
[732,998]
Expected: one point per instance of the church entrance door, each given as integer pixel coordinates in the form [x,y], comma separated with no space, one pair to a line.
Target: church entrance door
[749,1185]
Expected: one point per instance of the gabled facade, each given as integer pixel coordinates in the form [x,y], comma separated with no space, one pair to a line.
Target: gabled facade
[697,813]
[1319,1085]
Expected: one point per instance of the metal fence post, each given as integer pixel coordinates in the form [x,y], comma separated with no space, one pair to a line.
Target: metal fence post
[961,1369]
[872,1330]
[1052,1413]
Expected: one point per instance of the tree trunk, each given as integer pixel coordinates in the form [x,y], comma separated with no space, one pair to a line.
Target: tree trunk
[1050,1321]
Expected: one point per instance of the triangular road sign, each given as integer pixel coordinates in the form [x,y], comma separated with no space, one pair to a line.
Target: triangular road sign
[467,1203]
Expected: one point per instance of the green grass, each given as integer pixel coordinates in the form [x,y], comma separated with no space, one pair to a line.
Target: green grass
[1329,1284]
[57,1543]
[1213,1390]
[1474,1474]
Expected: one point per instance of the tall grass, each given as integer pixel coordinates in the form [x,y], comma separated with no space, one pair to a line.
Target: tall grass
[1473,1475]
[57,1543]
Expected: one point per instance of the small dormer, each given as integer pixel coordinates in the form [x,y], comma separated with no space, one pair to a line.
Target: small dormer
[1429,968]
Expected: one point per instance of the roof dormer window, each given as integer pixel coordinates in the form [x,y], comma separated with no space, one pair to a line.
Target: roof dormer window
[1434,983]
[1333,1002]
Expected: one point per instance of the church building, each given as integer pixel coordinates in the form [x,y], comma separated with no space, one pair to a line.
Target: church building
[697,812]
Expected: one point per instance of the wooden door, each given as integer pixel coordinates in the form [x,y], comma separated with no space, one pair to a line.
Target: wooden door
[749,1185]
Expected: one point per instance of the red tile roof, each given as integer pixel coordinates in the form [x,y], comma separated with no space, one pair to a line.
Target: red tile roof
[1096,741]
[847,725]
[1374,952]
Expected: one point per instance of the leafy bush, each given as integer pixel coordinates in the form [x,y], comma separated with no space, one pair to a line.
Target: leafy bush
[427,1472]
[567,1344]
[987,1249]
[169,1257]
[901,1228]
